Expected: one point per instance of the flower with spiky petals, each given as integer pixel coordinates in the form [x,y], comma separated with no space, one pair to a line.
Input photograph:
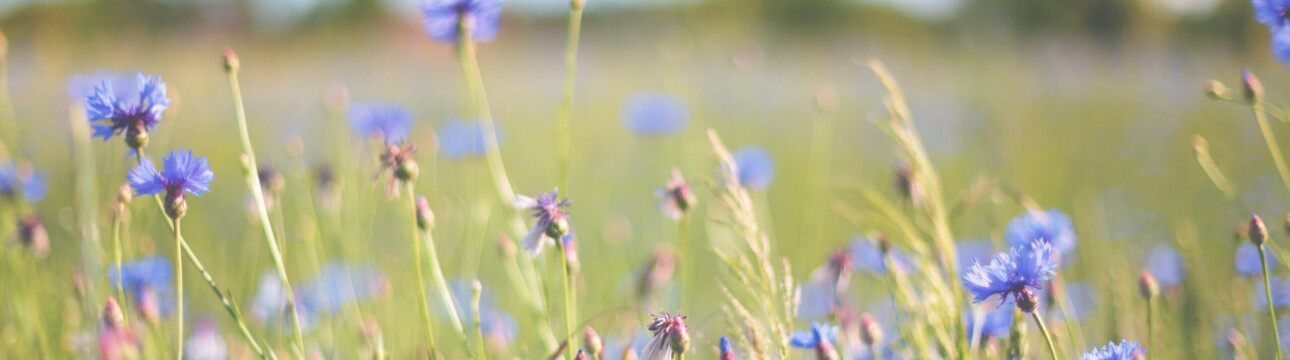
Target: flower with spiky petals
[183,173]
[552,220]
[1248,263]
[1272,13]
[675,198]
[398,165]
[655,114]
[129,113]
[21,182]
[1052,226]
[726,351]
[820,339]
[671,336]
[756,168]
[1011,275]
[1125,350]
[442,18]
[391,122]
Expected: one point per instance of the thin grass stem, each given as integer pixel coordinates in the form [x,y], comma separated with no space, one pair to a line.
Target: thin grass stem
[1267,291]
[1052,349]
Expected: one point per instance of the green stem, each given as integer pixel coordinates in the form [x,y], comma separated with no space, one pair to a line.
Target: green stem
[116,254]
[436,274]
[253,181]
[685,261]
[1052,349]
[565,114]
[476,293]
[1273,148]
[569,314]
[179,292]
[1151,333]
[421,282]
[1267,291]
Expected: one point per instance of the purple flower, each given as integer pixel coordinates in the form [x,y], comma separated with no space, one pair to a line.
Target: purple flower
[440,18]
[458,139]
[675,197]
[1051,226]
[552,221]
[1011,275]
[114,112]
[868,257]
[820,338]
[338,284]
[149,281]
[390,122]
[1125,350]
[183,173]
[17,182]
[1272,13]
[727,351]
[205,343]
[756,168]
[671,336]
[1281,44]
[1248,263]
[655,114]
[1167,265]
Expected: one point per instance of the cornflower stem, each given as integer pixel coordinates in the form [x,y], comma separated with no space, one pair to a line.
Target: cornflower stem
[1151,329]
[421,282]
[569,314]
[1052,349]
[476,293]
[179,292]
[210,281]
[1267,291]
[565,115]
[437,276]
[685,261]
[1273,148]
[253,181]
[116,255]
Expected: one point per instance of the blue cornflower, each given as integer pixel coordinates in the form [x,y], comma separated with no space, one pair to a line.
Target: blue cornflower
[1167,265]
[183,173]
[1248,263]
[116,112]
[390,122]
[1272,13]
[868,257]
[440,18]
[150,282]
[655,114]
[1010,275]
[756,168]
[994,323]
[270,305]
[1280,293]
[1281,44]
[459,139]
[820,338]
[1125,350]
[15,182]
[552,221]
[727,351]
[1051,226]
[338,284]
[971,251]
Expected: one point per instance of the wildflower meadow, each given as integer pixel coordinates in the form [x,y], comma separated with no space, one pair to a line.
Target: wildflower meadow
[654,180]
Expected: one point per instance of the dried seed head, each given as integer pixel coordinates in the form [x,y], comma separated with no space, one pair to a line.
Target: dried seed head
[1258,231]
[1148,287]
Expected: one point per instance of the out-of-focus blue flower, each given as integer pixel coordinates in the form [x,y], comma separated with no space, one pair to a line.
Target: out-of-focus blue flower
[994,323]
[552,221]
[459,139]
[818,334]
[1010,274]
[1125,350]
[1167,265]
[205,343]
[868,257]
[440,18]
[1248,263]
[1082,298]
[727,351]
[655,114]
[150,281]
[183,173]
[1272,13]
[1280,293]
[112,112]
[338,284]
[1051,226]
[15,182]
[391,122]
[756,168]
[1281,44]
[270,305]
[618,347]
[497,326]
[969,252]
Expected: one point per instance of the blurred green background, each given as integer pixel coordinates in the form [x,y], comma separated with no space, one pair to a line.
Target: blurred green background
[1087,106]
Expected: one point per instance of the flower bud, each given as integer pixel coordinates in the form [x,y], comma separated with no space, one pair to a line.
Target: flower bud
[1287,224]
[4,46]
[425,217]
[176,206]
[407,169]
[1148,287]
[680,339]
[1252,86]
[1027,301]
[870,330]
[136,137]
[31,233]
[558,228]
[231,62]
[580,355]
[591,341]
[124,194]
[725,349]
[1258,231]
[112,315]
[149,306]
[1215,90]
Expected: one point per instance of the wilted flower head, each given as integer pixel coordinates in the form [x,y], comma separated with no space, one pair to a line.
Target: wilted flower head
[442,17]
[148,280]
[1011,275]
[819,338]
[726,351]
[867,256]
[183,173]
[1248,263]
[398,165]
[655,114]
[1125,350]
[756,168]
[205,343]
[675,198]
[552,221]
[458,139]
[391,122]
[1052,226]
[671,336]
[20,182]
[132,110]
[1167,265]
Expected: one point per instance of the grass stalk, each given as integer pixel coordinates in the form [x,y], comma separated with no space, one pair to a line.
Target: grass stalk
[1052,349]
[424,304]
[565,114]
[1267,291]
